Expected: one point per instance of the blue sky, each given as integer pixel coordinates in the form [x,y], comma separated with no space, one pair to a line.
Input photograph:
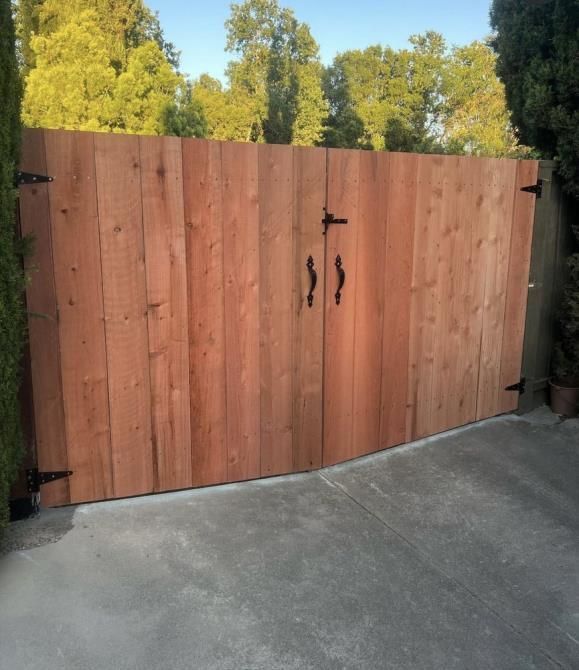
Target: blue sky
[197,29]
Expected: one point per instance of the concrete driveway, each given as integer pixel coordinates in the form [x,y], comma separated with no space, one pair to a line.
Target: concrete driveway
[460,551]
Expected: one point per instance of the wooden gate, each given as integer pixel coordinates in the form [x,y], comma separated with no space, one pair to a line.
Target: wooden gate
[171,336]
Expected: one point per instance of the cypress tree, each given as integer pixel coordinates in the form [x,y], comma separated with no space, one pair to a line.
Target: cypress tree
[11,275]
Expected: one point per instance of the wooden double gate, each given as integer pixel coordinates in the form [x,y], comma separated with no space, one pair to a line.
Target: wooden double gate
[172,340]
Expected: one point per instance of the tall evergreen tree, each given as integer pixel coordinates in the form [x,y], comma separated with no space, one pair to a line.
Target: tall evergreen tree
[11,278]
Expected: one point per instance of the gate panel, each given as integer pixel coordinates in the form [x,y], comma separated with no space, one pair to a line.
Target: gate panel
[202,186]
[166,272]
[79,287]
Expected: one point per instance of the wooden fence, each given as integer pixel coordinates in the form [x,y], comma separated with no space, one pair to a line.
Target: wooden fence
[177,346]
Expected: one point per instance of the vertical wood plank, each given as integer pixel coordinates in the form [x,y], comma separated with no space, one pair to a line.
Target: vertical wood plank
[202,185]
[369,301]
[343,192]
[41,302]
[502,183]
[401,213]
[276,307]
[241,268]
[125,306]
[166,273]
[517,285]
[308,339]
[424,307]
[78,279]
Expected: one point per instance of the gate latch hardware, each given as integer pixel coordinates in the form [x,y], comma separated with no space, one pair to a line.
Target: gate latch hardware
[537,188]
[329,218]
[36,479]
[25,178]
[520,386]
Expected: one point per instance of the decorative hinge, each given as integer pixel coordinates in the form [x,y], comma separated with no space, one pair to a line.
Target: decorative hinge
[37,479]
[520,386]
[537,188]
[26,178]
[329,219]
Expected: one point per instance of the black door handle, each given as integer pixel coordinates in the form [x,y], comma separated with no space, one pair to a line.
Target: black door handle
[313,278]
[341,276]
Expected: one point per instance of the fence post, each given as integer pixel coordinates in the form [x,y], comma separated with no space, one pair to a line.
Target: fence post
[552,243]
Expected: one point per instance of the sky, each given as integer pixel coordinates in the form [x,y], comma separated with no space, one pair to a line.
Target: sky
[196,28]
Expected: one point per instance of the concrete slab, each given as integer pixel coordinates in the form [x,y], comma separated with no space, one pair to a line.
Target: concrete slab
[450,554]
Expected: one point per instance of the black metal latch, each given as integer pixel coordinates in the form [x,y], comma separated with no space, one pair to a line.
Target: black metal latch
[537,188]
[25,178]
[520,386]
[36,479]
[329,219]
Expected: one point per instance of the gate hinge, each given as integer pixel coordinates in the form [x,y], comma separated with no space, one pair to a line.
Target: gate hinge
[36,479]
[25,178]
[520,386]
[329,218]
[537,188]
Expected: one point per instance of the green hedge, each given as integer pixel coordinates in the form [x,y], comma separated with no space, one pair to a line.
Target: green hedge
[11,277]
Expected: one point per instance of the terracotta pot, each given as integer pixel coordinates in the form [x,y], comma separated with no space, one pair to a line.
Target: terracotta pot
[564,398]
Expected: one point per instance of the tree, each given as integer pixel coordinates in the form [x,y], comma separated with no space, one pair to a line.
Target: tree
[476,118]
[72,83]
[538,49]
[278,72]
[394,95]
[11,278]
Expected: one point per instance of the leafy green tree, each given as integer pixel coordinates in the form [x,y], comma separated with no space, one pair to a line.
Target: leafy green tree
[72,83]
[228,115]
[11,278]
[277,74]
[476,119]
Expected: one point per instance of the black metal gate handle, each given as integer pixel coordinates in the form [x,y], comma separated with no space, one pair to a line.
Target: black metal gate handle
[313,278]
[342,278]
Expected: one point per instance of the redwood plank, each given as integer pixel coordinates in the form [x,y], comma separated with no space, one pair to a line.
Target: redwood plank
[241,269]
[343,192]
[398,266]
[425,295]
[502,184]
[517,285]
[41,302]
[308,338]
[276,307]
[78,279]
[202,184]
[166,273]
[125,307]
[369,301]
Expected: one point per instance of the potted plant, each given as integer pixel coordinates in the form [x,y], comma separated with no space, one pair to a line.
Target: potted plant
[565,382]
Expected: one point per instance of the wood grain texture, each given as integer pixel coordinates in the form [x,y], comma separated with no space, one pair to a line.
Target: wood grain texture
[125,307]
[241,271]
[517,285]
[202,187]
[343,202]
[373,192]
[166,272]
[276,266]
[425,295]
[41,303]
[78,280]
[397,270]
[308,325]
[501,182]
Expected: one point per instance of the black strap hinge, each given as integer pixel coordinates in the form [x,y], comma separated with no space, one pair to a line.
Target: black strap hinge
[537,188]
[26,178]
[36,479]
[520,386]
